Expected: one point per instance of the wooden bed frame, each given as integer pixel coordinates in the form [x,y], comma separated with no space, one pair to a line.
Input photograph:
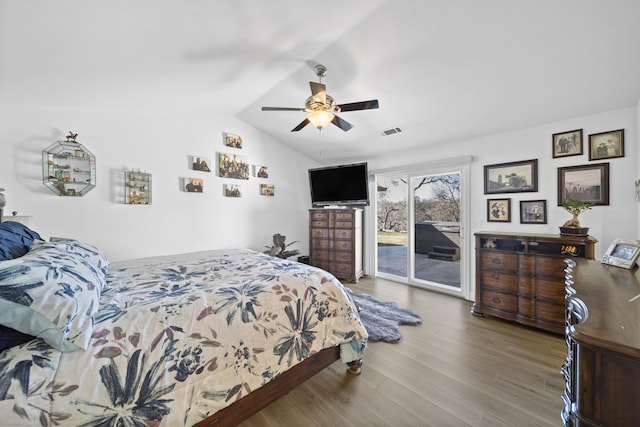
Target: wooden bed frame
[278,387]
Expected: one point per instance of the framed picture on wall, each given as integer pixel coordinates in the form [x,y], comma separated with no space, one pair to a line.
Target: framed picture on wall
[513,177]
[267,189]
[499,210]
[261,171]
[232,190]
[533,212]
[193,185]
[233,166]
[589,183]
[606,145]
[200,163]
[567,143]
[233,141]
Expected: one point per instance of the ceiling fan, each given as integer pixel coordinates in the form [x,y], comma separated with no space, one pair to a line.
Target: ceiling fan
[321,108]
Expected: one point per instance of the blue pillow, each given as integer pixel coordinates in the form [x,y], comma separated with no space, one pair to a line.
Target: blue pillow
[15,239]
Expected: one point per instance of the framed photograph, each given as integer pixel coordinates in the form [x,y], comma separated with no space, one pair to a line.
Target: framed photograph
[533,212]
[499,210]
[514,177]
[622,253]
[261,171]
[200,163]
[267,190]
[567,143]
[233,141]
[589,183]
[606,145]
[193,185]
[233,166]
[232,190]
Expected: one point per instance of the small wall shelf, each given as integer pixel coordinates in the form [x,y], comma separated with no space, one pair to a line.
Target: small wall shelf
[138,188]
[68,168]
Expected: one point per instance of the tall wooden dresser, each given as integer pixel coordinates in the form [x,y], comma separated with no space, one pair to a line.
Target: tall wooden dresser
[520,277]
[335,241]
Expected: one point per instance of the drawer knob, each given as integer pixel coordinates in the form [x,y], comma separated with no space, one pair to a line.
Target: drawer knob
[495,275]
[496,300]
[496,261]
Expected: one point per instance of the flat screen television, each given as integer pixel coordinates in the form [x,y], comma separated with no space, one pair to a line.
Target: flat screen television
[343,185]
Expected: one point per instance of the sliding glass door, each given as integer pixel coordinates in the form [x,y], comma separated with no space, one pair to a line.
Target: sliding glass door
[419,234]
[392,229]
[436,225]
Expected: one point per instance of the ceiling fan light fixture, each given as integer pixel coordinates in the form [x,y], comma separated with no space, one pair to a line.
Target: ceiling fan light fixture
[320,118]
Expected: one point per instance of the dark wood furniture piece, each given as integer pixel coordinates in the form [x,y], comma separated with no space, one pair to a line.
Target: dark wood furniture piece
[258,399]
[335,241]
[602,370]
[519,276]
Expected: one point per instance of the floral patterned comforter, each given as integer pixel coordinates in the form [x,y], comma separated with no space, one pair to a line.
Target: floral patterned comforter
[178,338]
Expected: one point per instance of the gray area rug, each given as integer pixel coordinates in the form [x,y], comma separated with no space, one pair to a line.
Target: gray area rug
[382,319]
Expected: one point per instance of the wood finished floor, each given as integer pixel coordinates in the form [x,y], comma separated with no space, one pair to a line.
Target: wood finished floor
[453,370]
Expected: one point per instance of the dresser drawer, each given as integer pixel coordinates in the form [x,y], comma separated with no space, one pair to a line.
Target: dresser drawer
[549,289]
[344,216]
[526,306]
[526,264]
[319,223]
[500,280]
[343,234]
[500,301]
[343,256]
[550,266]
[500,260]
[343,245]
[549,312]
[342,269]
[320,255]
[320,233]
[526,286]
[320,263]
[344,224]
[321,244]
[320,216]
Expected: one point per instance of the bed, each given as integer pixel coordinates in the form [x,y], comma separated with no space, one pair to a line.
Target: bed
[205,338]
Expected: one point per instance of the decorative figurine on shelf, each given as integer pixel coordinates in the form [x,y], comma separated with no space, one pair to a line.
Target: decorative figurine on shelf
[72,137]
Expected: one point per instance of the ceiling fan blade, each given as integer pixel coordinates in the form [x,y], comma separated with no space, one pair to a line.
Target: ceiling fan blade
[282,109]
[301,125]
[342,124]
[319,92]
[363,105]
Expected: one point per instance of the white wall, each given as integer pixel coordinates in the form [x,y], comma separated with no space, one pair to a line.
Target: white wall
[160,144]
[618,220]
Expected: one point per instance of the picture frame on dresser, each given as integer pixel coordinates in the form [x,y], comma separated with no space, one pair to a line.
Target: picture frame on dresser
[566,144]
[622,253]
[512,177]
[499,210]
[589,183]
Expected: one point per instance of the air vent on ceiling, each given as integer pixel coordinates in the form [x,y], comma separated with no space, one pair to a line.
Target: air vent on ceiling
[390,131]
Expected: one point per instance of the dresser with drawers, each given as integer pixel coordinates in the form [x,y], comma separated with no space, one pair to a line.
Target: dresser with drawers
[335,241]
[520,276]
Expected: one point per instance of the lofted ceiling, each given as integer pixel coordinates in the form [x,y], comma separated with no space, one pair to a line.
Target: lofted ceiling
[442,70]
